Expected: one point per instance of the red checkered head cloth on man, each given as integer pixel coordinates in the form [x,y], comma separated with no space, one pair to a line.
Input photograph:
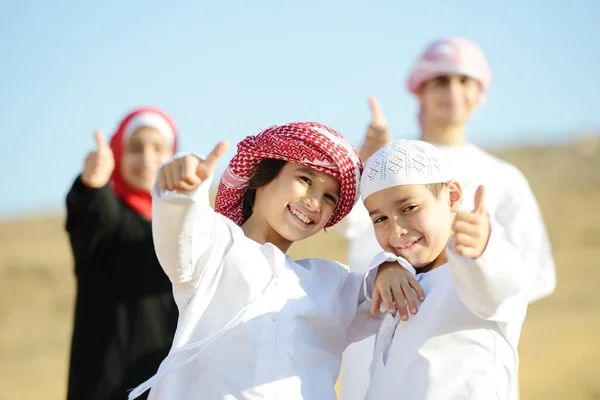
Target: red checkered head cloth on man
[309,144]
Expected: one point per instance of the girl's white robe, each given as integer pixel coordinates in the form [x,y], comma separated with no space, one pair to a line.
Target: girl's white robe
[253,324]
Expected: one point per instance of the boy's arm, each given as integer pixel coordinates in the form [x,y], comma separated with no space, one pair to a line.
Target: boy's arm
[494,285]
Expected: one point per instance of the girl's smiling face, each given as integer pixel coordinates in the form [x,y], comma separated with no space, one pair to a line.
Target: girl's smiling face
[295,205]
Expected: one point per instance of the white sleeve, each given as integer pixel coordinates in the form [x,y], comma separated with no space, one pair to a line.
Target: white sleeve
[494,286]
[189,236]
[363,324]
[520,216]
[339,292]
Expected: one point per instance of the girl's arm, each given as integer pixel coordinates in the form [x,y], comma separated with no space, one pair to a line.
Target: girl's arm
[93,210]
[388,286]
[187,232]
[190,238]
[93,215]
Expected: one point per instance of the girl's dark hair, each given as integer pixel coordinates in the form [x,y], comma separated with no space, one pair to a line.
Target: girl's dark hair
[263,174]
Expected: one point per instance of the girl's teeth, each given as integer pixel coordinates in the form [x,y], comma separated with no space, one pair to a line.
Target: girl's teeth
[301,217]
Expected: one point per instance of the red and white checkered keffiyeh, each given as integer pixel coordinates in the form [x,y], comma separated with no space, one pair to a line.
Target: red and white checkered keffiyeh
[310,144]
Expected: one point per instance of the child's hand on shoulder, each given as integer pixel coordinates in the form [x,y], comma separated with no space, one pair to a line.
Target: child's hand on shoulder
[188,172]
[472,229]
[394,288]
[99,164]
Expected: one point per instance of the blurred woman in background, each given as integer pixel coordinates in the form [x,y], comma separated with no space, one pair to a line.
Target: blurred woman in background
[125,314]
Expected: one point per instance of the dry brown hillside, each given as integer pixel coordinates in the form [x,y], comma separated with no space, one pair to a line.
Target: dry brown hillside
[560,350]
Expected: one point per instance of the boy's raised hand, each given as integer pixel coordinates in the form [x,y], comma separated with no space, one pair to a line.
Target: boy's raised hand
[472,229]
[378,134]
[99,164]
[187,173]
[394,288]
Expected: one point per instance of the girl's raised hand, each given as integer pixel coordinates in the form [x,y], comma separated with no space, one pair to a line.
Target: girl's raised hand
[99,164]
[188,172]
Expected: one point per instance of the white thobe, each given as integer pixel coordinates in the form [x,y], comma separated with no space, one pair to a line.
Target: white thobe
[253,323]
[462,344]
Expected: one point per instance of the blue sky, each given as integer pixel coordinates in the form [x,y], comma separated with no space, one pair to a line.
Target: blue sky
[227,69]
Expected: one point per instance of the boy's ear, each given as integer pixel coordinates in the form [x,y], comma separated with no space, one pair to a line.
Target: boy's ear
[455,195]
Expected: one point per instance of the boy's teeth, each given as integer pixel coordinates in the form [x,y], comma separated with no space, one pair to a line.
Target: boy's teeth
[409,244]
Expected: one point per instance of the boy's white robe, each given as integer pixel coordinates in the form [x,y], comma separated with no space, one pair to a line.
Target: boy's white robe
[510,202]
[462,344]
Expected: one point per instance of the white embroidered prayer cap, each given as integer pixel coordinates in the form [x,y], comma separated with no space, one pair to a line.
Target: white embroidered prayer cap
[404,162]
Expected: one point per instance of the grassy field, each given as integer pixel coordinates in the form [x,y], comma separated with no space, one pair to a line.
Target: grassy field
[559,348]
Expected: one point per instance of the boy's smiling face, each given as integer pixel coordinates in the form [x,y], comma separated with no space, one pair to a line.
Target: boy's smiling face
[414,221]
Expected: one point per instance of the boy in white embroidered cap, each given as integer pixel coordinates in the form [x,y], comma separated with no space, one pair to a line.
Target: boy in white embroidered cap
[463,342]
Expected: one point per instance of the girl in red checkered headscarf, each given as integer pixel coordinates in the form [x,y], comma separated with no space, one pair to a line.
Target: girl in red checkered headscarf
[253,322]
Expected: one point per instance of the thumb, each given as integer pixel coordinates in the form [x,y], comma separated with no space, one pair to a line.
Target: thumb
[376,112]
[479,200]
[101,143]
[213,157]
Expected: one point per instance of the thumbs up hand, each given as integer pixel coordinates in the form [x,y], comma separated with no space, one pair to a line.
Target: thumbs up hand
[188,172]
[472,229]
[99,164]
[378,134]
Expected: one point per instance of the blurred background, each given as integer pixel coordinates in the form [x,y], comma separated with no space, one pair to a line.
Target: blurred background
[227,69]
